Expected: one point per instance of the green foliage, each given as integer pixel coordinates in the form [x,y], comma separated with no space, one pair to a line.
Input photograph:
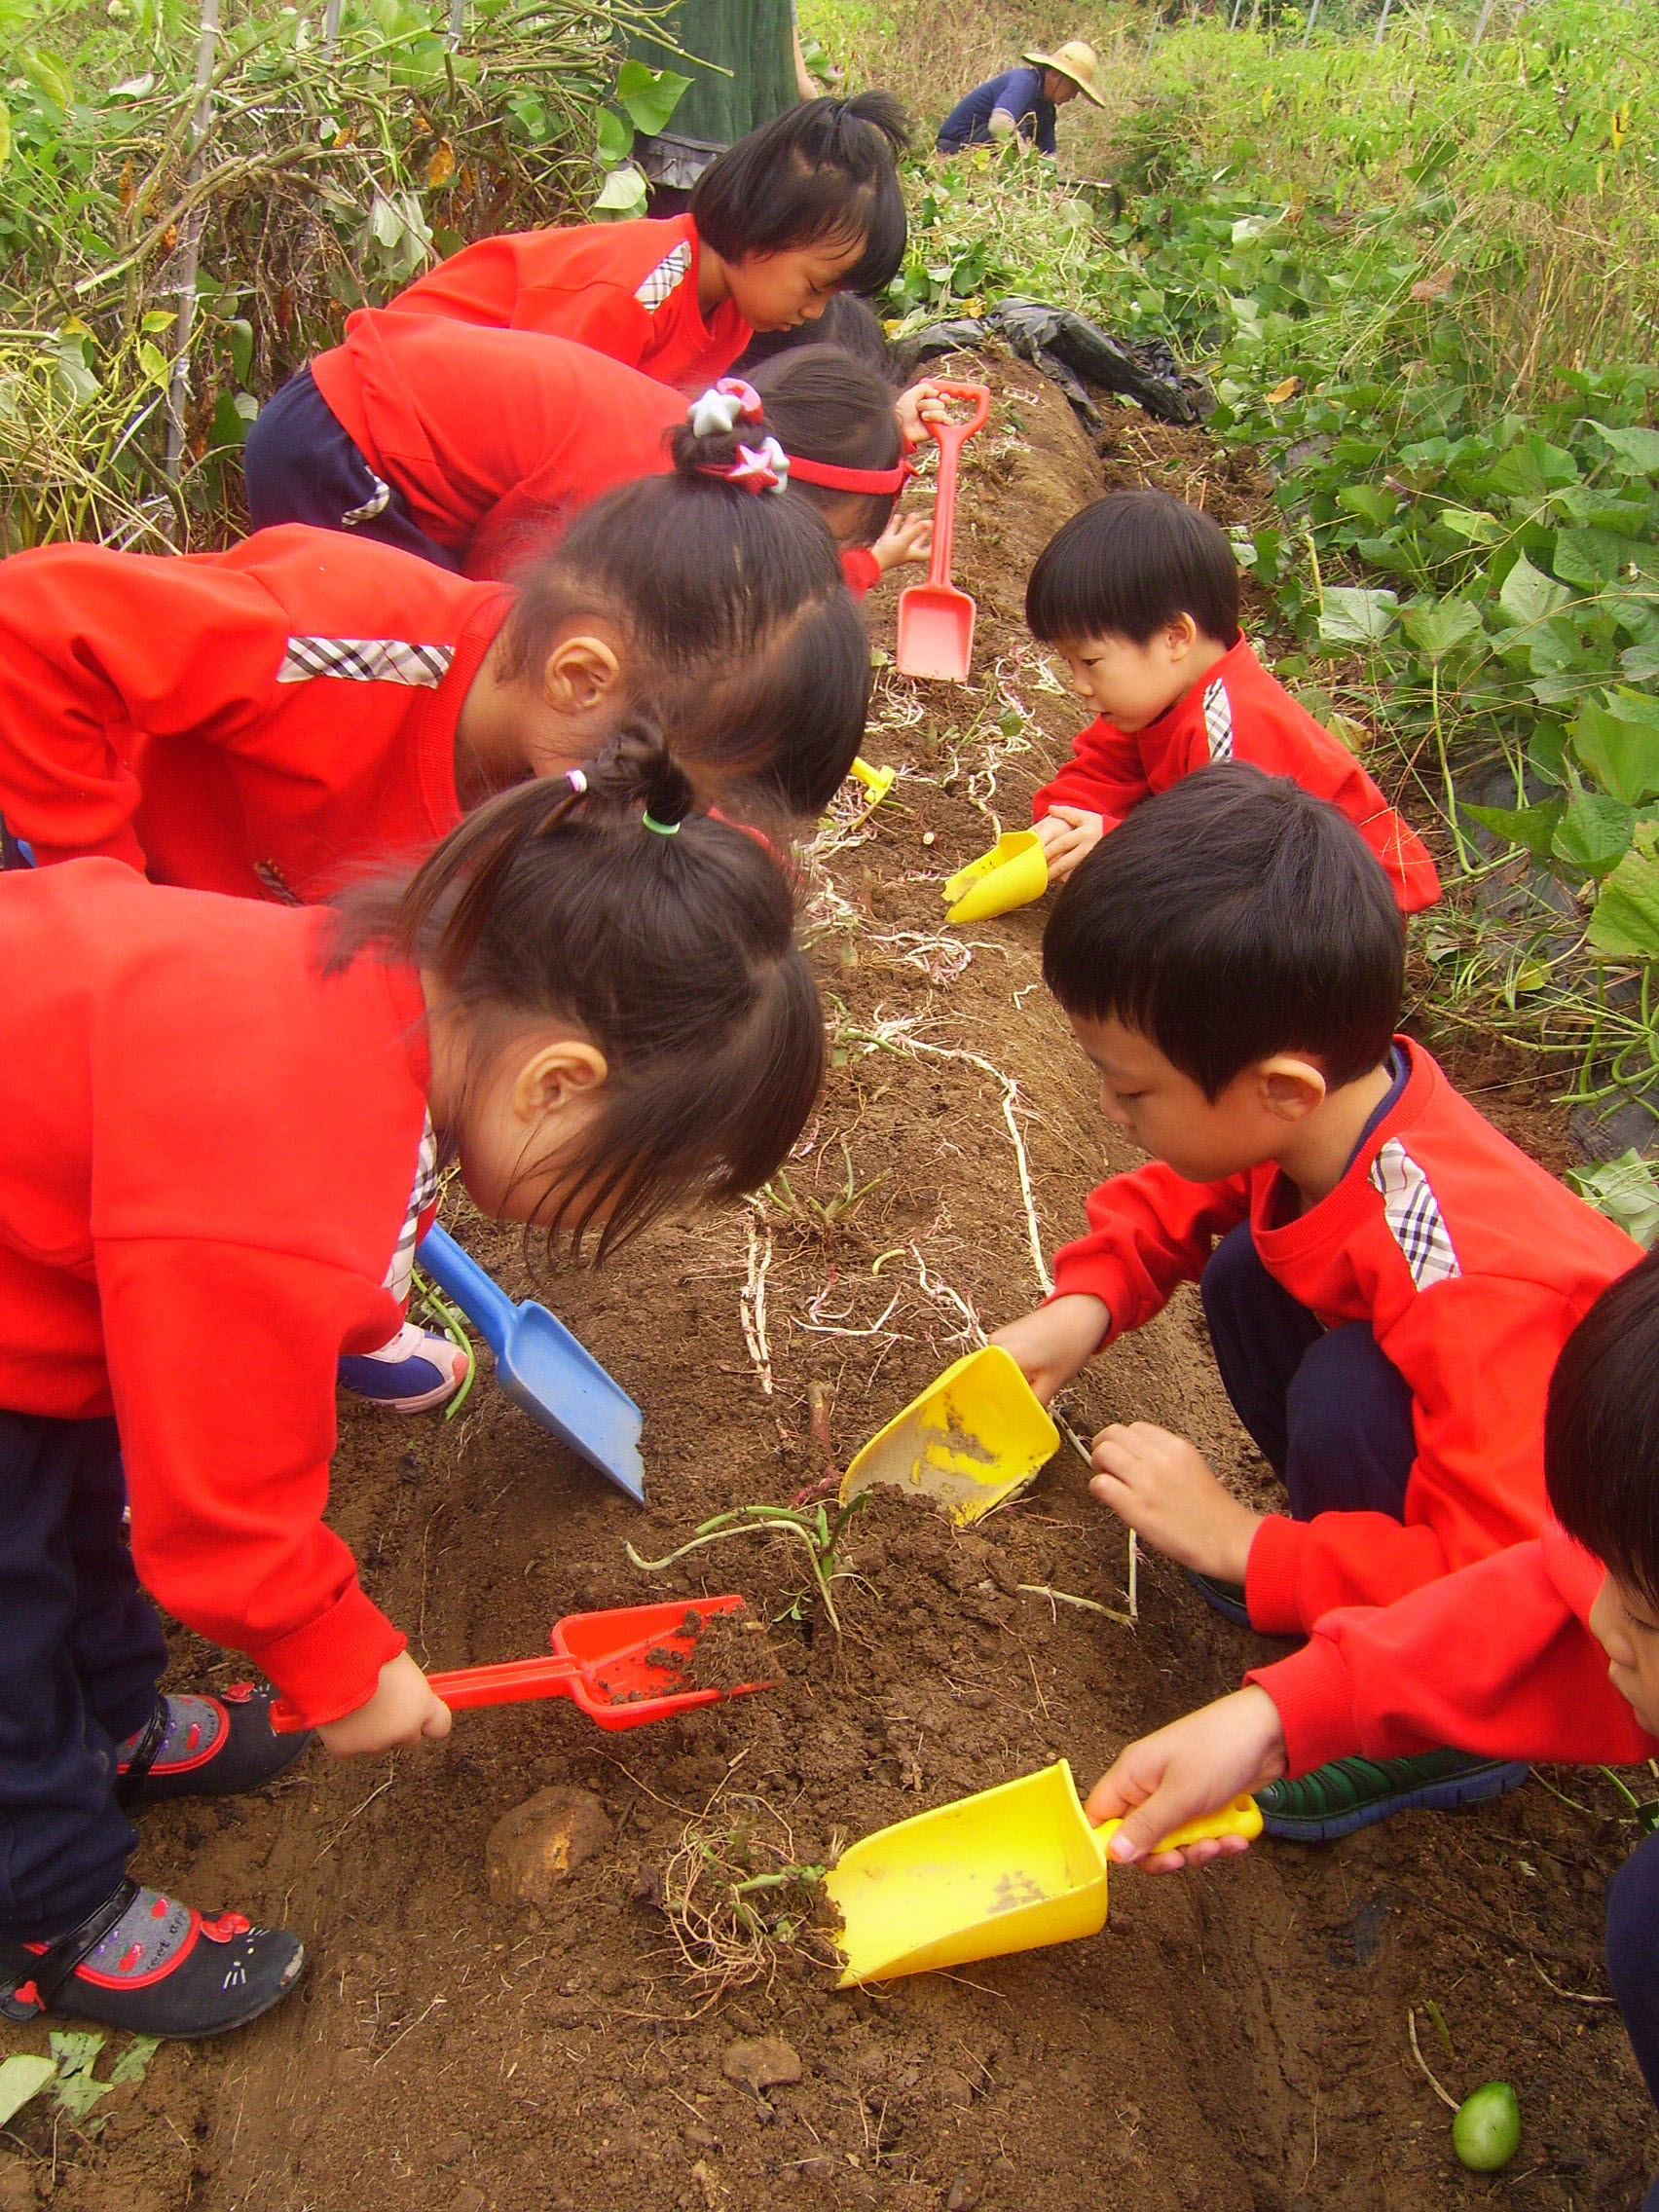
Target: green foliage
[1627,1191]
[77,2089]
[20,2078]
[325,179]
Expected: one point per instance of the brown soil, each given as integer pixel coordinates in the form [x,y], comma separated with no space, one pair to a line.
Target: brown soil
[1235,2041]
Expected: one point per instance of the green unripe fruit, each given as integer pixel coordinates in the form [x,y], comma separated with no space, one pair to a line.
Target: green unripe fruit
[1487,2131]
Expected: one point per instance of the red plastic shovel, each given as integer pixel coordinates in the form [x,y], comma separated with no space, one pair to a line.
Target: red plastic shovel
[936,621]
[623,1668]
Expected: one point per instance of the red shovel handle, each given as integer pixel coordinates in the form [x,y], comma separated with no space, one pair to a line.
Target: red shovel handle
[951,437]
[515,1682]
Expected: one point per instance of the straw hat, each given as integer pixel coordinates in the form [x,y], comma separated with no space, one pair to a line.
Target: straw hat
[1075,60]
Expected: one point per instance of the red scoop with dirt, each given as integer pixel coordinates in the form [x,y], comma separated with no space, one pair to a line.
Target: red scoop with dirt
[623,1668]
[936,621]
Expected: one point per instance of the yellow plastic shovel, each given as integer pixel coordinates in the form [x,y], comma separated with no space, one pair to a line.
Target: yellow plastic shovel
[971,1439]
[877,782]
[1014,872]
[1011,1869]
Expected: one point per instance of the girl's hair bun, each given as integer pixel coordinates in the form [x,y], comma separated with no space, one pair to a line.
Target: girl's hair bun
[637,771]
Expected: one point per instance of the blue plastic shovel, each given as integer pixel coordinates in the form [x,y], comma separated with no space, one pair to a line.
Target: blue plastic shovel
[542,1368]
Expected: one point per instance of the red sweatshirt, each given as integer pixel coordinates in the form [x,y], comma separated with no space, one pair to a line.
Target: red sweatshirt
[1496,1659]
[261,722]
[487,431]
[209,1155]
[1239,712]
[1469,1263]
[626,289]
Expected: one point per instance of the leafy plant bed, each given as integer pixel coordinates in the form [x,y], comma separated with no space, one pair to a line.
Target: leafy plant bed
[1236,2040]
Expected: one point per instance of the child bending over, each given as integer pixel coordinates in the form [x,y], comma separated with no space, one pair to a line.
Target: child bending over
[1387,1279]
[1549,1650]
[471,447]
[804,208]
[1139,594]
[220,1118]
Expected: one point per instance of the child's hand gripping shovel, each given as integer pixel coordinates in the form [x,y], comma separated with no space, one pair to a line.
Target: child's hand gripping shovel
[935,622]
[1010,1870]
[542,1368]
[623,1668]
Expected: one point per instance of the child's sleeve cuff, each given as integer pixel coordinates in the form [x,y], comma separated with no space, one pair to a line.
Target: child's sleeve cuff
[1314,1699]
[331,1665]
[1270,1576]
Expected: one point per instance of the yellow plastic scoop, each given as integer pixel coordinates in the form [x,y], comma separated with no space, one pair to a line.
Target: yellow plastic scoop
[1013,873]
[877,782]
[971,1439]
[1011,1869]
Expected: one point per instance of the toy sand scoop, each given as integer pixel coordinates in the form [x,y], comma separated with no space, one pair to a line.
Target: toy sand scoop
[1012,1869]
[971,1439]
[936,621]
[1014,872]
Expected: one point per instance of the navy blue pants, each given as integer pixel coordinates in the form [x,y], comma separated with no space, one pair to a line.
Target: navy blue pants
[81,1654]
[1326,1410]
[301,467]
[1632,1964]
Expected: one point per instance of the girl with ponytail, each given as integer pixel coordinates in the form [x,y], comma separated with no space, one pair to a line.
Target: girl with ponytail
[223,1120]
[472,446]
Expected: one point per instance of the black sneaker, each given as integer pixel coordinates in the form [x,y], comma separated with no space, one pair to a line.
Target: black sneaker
[1354,1793]
[153,1967]
[204,1746]
[1224,1598]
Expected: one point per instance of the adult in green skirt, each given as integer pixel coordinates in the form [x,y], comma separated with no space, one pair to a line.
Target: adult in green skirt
[757,72]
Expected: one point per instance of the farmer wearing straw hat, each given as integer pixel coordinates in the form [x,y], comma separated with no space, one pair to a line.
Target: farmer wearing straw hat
[1021,102]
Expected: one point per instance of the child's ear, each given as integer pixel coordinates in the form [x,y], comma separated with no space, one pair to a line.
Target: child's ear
[580,672]
[558,1075]
[1180,636]
[1289,1086]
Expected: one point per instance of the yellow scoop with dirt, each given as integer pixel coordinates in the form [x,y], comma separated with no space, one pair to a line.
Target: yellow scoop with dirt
[971,1439]
[1011,1869]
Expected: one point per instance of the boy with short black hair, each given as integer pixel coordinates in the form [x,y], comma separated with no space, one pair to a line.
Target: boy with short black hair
[1548,1650]
[1387,1279]
[1139,594]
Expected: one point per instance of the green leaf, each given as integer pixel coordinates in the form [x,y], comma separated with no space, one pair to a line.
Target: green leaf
[1350,617]
[134,2061]
[624,193]
[1590,559]
[240,336]
[1529,597]
[1533,827]
[1437,629]
[1625,923]
[1471,523]
[47,76]
[153,364]
[1619,744]
[1376,507]
[1594,832]
[5,134]
[1626,1190]
[76,2054]
[615,137]
[1638,450]
[650,96]
[20,2078]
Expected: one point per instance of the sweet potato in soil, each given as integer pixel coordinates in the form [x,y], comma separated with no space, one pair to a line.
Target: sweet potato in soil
[1234,2039]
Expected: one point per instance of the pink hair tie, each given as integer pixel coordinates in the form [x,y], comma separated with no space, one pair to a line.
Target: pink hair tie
[721,409]
[764,467]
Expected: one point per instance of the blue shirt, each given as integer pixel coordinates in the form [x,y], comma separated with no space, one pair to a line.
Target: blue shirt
[1018,93]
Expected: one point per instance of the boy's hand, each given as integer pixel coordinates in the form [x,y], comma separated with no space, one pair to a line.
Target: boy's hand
[922,404]
[1068,834]
[402,1710]
[1194,1766]
[1162,1487]
[1049,1346]
[907,537]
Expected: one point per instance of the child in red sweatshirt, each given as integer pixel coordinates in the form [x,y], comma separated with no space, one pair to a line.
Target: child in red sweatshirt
[222,1121]
[1139,594]
[804,208]
[1548,1650]
[471,446]
[1387,1279]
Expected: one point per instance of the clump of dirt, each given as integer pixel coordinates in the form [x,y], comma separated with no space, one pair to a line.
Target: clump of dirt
[728,1653]
[1234,2039]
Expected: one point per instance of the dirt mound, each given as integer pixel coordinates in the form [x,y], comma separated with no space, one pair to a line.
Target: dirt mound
[1236,2040]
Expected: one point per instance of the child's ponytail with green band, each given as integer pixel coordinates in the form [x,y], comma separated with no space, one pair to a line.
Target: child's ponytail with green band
[682,971]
